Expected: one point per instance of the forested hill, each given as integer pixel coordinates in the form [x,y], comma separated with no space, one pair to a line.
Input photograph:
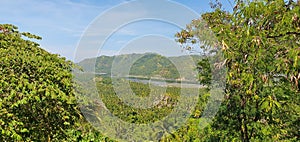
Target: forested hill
[146,65]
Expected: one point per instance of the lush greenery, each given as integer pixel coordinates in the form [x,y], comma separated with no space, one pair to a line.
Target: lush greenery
[261,46]
[137,115]
[127,113]
[37,98]
[146,65]
[260,43]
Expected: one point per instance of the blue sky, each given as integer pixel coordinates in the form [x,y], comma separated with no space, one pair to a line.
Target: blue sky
[61,23]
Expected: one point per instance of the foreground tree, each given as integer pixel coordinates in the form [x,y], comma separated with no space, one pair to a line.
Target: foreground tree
[260,41]
[37,101]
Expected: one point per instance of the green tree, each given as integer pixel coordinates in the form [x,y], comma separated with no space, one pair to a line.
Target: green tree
[37,101]
[261,45]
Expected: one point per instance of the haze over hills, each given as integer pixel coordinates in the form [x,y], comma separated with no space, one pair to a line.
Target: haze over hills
[144,65]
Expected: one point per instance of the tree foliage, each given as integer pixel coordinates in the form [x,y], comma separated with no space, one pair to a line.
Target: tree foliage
[37,101]
[146,64]
[260,41]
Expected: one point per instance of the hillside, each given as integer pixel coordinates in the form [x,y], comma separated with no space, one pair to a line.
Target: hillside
[146,65]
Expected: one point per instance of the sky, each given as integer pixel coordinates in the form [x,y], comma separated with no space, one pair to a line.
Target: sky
[63,23]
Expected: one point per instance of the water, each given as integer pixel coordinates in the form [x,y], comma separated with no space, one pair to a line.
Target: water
[163,83]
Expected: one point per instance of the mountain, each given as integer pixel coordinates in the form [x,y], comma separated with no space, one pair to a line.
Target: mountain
[143,65]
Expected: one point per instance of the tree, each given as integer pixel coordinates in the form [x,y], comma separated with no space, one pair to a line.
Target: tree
[260,41]
[37,101]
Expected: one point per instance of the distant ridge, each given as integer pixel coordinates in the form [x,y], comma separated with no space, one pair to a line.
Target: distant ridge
[146,65]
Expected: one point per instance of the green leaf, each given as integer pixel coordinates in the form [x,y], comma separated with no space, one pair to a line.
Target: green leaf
[24,130]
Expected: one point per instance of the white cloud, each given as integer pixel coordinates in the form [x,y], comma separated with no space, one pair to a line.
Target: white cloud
[62,22]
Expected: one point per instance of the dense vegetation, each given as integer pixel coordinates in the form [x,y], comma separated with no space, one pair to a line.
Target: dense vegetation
[146,65]
[137,115]
[37,98]
[130,114]
[260,42]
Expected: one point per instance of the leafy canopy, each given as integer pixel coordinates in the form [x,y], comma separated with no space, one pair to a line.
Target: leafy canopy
[37,100]
[260,41]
